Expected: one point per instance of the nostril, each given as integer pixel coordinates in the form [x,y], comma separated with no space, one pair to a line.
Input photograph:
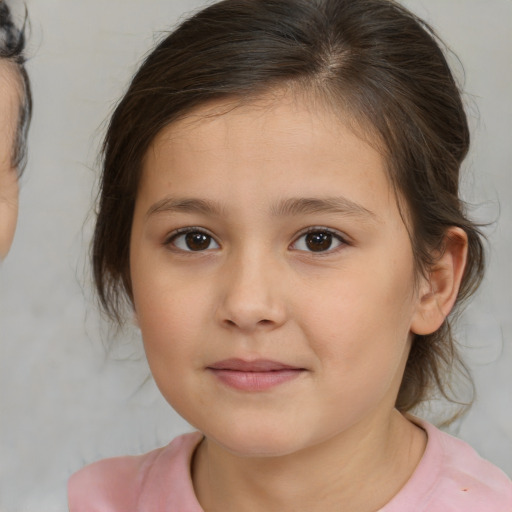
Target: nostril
[233,323]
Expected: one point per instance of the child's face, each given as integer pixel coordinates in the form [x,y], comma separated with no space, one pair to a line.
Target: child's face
[268,238]
[9,106]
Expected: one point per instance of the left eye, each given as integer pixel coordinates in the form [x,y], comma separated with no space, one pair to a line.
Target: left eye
[320,240]
[193,241]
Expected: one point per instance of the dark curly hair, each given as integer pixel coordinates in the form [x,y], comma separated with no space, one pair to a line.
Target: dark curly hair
[372,58]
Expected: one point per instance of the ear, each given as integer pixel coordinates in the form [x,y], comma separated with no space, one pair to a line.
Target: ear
[438,292]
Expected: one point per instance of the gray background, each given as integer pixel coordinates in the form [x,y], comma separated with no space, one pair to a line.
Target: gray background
[69,392]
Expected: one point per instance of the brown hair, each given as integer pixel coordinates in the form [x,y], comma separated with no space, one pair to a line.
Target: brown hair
[370,57]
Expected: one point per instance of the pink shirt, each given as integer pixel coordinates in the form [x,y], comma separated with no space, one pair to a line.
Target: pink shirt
[450,477]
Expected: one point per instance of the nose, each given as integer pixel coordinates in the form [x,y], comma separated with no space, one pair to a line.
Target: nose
[252,295]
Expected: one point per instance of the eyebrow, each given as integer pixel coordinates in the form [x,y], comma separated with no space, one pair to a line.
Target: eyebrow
[186,205]
[287,207]
[338,205]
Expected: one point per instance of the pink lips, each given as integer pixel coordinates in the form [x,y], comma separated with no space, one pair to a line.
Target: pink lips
[258,375]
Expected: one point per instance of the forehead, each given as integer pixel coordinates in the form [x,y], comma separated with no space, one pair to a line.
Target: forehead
[248,126]
[266,150]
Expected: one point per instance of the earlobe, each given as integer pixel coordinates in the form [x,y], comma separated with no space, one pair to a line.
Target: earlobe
[438,293]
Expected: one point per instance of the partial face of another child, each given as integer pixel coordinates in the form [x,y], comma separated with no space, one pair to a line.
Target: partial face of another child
[273,276]
[9,111]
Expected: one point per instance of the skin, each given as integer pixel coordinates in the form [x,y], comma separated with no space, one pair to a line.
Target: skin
[9,107]
[329,439]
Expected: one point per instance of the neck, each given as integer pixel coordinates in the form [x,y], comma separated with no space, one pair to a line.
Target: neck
[357,470]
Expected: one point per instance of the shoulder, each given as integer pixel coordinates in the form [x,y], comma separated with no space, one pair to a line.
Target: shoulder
[121,483]
[109,484]
[464,481]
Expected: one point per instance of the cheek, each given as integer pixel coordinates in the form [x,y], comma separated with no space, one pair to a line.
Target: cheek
[8,209]
[359,326]
[163,329]
[165,318]
[170,315]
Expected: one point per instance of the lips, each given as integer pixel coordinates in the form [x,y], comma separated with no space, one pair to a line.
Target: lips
[257,375]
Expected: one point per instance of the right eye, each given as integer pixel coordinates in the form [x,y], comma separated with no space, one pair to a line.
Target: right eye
[192,240]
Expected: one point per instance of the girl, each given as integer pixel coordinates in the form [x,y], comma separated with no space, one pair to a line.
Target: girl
[279,209]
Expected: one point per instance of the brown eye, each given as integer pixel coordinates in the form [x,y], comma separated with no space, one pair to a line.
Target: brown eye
[318,241]
[321,240]
[194,241]
[197,241]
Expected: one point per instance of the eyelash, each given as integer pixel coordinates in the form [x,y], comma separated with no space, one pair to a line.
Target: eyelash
[171,239]
[335,235]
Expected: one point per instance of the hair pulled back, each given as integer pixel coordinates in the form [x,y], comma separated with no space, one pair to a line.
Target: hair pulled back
[371,59]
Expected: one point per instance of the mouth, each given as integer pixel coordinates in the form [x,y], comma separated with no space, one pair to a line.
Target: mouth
[257,375]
